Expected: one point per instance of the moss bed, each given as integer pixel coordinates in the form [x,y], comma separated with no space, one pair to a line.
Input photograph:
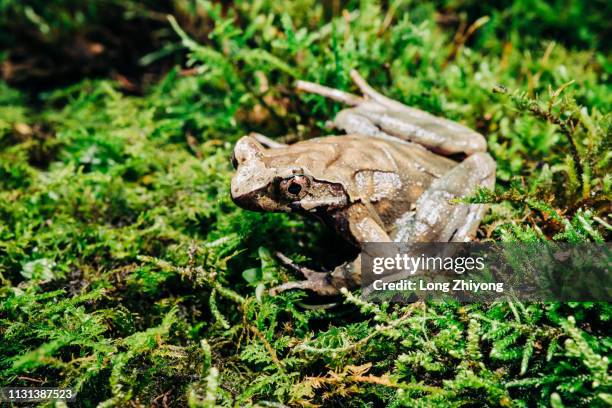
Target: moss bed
[127,273]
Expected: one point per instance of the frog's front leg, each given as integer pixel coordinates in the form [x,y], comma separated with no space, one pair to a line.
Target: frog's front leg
[347,275]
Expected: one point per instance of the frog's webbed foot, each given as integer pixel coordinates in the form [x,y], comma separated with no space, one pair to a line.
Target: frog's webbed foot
[322,283]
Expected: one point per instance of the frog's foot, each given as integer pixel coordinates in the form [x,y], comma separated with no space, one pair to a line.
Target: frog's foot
[307,272]
[321,287]
[319,282]
[323,283]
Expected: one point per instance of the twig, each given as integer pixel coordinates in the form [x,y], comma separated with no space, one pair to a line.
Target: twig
[462,36]
[268,347]
[23,377]
[535,109]
[388,19]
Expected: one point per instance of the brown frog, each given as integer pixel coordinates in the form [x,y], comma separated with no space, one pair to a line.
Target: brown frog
[389,178]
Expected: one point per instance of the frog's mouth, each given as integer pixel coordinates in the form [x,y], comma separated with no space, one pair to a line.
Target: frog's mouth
[258,199]
[310,204]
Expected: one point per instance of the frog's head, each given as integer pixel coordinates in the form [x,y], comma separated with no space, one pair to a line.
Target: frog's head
[281,179]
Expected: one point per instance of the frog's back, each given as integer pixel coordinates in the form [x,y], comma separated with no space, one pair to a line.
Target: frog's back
[390,153]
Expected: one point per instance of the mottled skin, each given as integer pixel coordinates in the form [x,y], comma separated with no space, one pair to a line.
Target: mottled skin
[387,180]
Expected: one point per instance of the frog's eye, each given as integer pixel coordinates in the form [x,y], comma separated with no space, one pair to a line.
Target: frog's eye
[295,187]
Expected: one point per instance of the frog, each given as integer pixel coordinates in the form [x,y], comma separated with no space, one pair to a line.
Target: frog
[393,173]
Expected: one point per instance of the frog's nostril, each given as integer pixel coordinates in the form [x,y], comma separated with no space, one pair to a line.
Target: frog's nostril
[234,161]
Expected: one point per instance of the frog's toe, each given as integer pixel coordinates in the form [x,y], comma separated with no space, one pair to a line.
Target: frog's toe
[331,93]
[287,286]
[307,272]
[320,286]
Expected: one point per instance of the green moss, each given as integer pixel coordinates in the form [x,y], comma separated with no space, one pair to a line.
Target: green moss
[127,272]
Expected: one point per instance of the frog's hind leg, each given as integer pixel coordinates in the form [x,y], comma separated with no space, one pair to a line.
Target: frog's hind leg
[377,115]
[352,120]
[437,218]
